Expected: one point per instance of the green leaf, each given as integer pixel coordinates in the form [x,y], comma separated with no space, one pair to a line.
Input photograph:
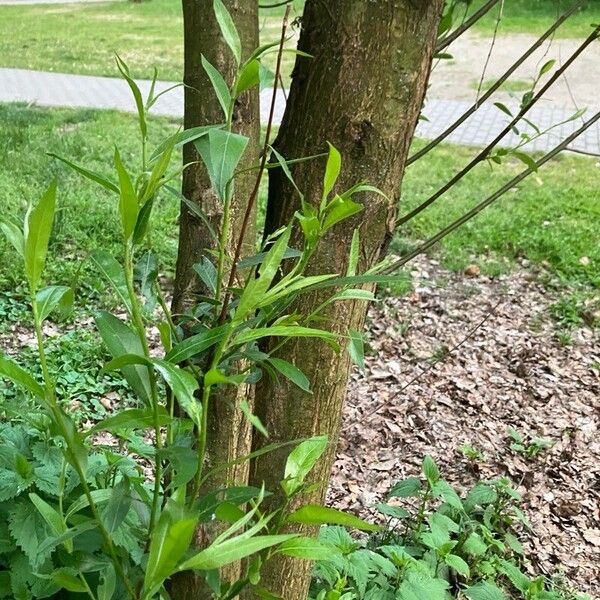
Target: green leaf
[107,588]
[232,550]
[228,29]
[356,348]
[308,548]
[67,581]
[354,254]
[91,175]
[15,236]
[181,138]
[50,298]
[458,564]
[137,95]
[252,418]
[37,235]
[207,273]
[128,203]
[332,171]
[526,159]
[132,418]
[547,66]
[98,496]
[339,209]
[12,371]
[52,518]
[406,488]
[503,108]
[481,495]
[248,77]
[171,539]
[120,340]
[300,462]
[118,506]
[314,514]
[485,590]
[258,259]
[257,287]
[29,530]
[113,272]
[283,331]
[221,152]
[146,274]
[430,470]
[418,586]
[291,372]
[220,87]
[474,545]
[444,490]
[182,383]
[196,344]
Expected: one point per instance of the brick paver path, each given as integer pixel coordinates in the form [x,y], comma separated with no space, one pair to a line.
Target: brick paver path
[57,89]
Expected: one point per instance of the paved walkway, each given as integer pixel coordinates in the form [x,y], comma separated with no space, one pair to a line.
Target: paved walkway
[56,89]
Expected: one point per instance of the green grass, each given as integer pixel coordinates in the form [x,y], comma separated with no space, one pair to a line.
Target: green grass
[87,216]
[83,38]
[551,219]
[535,16]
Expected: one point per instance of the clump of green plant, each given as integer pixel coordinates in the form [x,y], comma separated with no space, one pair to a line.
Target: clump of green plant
[527,445]
[122,499]
[471,452]
[435,545]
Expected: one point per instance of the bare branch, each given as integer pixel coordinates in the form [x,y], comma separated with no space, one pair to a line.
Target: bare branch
[485,152]
[497,84]
[495,196]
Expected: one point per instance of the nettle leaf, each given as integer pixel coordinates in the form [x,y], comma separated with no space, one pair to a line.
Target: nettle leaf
[485,590]
[430,470]
[458,564]
[418,586]
[113,272]
[29,530]
[291,372]
[300,462]
[228,29]
[37,235]
[315,514]
[120,340]
[406,488]
[221,152]
[219,85]
[52,298]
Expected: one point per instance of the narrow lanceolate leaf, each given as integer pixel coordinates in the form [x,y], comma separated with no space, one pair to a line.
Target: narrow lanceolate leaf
[118,506]
[221,152]
[356,348]
[354,254]
[53,518]
[291,372]
[128,200]
[37,235]
[137,95]
[283,331]
[170,540]
[196,344]
[232,550]
[133,418]
[300,462]
[181,138]
[228,29]
[219,85]
[308,548]
[249,77]
[10,370]
[91,175]
[108,583]
[54,297]
[113,272]
[252,418]
[314,514]
[14,235]
[120,340]
[332,171]
[182,383]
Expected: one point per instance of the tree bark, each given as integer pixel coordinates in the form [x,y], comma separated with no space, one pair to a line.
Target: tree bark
[362,91]
[229,434]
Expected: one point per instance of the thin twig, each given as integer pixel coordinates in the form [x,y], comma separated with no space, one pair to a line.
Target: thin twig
[261,170]
[491,50]
[495,196]
[435,363]
[476,16]
[497,84]
[486,151]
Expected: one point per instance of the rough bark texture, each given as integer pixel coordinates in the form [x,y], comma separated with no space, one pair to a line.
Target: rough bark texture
[229,434]
[362,91]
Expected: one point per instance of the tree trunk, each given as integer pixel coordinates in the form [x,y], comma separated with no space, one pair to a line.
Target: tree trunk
[362,91]
[229,435]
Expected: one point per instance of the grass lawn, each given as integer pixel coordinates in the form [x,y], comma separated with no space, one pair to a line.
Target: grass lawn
[82,38]
[535,16]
